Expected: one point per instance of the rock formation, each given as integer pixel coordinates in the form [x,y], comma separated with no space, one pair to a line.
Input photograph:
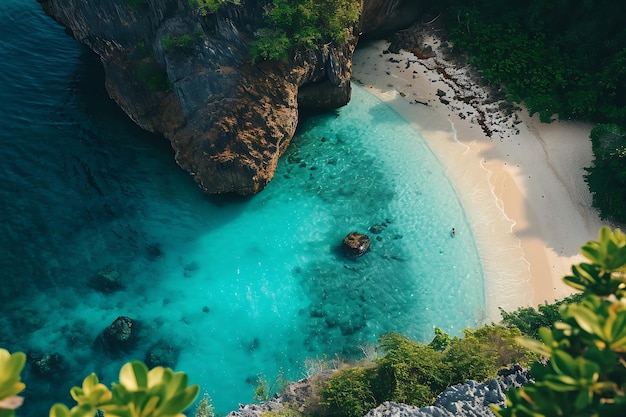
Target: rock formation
[228,121]
[107,280]
[47,365]
[119,336]
[355,244]
[162,353]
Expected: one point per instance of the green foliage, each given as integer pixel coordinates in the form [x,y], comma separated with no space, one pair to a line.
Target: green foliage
[150,74]
[206,7]
[599,277]
[183,43]
[530,320]
[558,57]
[271,45]
[348,393]
[441,340]
[481,353]
[292,24]
[265,390]
[11,365]
[409,372]
[159,392]
[204,407]
[586,371]
[413,373]
[607,177]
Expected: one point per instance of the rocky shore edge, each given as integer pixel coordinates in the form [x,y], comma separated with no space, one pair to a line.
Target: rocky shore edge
[471,399]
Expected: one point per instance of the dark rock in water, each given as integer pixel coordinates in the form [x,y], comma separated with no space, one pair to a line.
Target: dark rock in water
[120,336]
[47,365]
[254,345]
[351,326]
[162,354]
[228,120]
[356,244]
[190,268]
[154,251]
[107,280]
[376,229]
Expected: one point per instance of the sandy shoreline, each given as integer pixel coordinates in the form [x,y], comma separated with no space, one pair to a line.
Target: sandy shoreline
[522,188]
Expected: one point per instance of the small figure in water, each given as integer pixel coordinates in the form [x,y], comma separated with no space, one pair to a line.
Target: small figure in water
[453,232]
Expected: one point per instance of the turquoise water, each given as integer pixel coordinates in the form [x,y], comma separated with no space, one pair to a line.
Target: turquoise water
[230,287]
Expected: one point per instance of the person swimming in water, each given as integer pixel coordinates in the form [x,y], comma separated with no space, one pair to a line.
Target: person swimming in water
[453,232]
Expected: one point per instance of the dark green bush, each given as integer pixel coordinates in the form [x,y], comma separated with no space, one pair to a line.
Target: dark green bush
[607,177]
[409,372]
[529,319]
[348,393]
[293,24]
[565,58]
[184,43]
[413,373]
[150,74]
[481,353]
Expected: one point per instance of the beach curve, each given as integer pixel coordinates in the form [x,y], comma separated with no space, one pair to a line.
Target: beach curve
[520,181]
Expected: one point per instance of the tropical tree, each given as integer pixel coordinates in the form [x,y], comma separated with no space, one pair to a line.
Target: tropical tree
[607,177]
[584,368]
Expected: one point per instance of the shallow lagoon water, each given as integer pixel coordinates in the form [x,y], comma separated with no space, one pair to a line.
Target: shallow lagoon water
[232,288]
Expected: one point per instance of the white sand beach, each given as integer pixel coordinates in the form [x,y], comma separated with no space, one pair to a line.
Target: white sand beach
[522,188]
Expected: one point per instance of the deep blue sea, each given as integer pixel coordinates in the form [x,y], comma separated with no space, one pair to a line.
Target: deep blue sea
[230,288]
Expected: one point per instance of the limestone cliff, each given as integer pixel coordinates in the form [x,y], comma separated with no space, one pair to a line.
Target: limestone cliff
[189,78]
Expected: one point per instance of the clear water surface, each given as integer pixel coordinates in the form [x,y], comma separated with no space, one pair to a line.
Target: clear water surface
[229,288]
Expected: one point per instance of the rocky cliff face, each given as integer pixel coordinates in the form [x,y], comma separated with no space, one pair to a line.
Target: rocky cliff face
[189,78]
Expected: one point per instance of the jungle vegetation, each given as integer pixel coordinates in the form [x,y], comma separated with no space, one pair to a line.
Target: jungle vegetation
[561,58]
[293,24]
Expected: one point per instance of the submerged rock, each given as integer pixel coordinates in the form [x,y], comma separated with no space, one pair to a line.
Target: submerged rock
[107,280]
[48,365]
[356,244]
[121,335]
[162,353]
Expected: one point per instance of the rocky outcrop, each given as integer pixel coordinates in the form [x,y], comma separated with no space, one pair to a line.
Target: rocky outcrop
[471,399]
[189,78]
[119,336]
[355,244]
[383,16]
[47,365]
[107,280]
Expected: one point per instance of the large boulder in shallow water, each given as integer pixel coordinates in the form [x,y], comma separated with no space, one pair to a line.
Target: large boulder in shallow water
[119,336]
[355,244]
